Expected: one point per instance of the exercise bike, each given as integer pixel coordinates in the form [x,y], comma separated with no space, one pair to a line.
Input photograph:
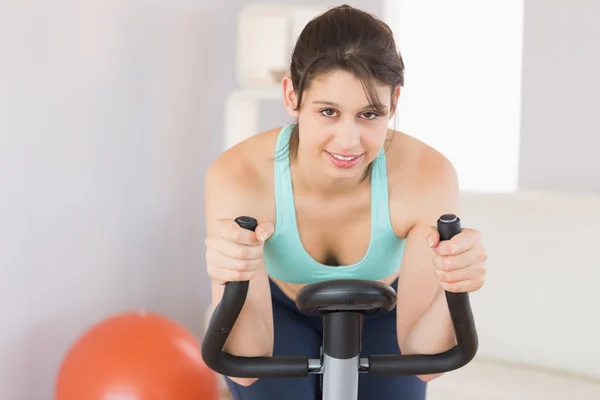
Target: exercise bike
[342,306]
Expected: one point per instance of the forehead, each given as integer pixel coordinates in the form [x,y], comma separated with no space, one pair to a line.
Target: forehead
[344,88]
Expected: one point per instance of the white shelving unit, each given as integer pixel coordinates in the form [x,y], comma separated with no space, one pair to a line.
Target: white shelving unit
[241,112]
[266,37]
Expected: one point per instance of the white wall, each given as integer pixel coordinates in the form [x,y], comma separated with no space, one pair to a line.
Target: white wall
[507,89]
[560,128]
[538,307]
[463,84]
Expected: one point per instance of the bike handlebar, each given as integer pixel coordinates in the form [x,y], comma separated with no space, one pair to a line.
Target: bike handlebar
[234,296]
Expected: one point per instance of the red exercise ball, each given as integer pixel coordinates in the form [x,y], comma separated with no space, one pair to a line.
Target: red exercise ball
[136,356]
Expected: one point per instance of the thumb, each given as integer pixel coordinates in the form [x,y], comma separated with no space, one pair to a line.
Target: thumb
[264,231]
[432,236]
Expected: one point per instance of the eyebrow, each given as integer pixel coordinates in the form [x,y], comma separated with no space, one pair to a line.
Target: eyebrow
[329,103]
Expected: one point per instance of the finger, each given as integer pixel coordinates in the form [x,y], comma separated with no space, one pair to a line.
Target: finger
[473,271]
[461,260]
[228,275]
[230,230]
[264,230]
[459,243]
[226,262]
[466,286]
[432,236]
[234,250]
[451,263]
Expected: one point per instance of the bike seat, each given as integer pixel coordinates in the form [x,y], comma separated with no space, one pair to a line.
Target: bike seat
[362,296]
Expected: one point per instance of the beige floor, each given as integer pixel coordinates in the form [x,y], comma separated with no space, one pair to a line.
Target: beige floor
[488,381]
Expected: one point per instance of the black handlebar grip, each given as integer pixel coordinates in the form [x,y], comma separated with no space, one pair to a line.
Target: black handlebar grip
[247,223]
[448,226]
[221,323]
[458,303]
[462,320]
[240,288]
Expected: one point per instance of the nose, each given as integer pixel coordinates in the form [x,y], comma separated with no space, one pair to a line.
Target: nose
[347,138]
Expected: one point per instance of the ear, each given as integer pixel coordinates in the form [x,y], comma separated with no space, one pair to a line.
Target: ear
[289,96]
[395,98]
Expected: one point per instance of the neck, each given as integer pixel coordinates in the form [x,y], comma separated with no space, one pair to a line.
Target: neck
[308,177]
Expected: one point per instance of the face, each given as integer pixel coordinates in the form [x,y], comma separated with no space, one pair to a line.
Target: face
[338,129]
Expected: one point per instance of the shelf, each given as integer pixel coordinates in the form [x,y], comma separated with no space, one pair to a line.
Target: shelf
[267,34]
[241,112]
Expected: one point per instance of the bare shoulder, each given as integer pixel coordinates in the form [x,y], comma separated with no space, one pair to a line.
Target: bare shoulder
[423,182]
[240,180]
[412,162]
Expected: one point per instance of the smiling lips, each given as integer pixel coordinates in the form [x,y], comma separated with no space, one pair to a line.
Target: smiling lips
[344,160]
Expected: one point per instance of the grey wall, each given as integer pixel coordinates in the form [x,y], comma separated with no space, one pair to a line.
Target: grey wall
[110,113]
[560,137]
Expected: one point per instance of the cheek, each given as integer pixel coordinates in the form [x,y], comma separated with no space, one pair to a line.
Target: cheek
[374,139]
[313,136]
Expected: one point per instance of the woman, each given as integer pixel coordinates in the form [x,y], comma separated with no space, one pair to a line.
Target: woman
[338,195]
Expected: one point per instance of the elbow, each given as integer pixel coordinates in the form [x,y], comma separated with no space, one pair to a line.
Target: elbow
[407,349]
[250,381]
[244,381]
[429,378]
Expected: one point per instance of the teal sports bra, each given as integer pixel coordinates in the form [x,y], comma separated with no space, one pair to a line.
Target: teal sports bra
[287,260]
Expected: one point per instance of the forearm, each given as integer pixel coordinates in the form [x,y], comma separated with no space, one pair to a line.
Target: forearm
[432,333]
[251,334]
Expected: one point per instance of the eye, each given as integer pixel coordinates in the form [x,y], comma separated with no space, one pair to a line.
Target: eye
[370,115]
[328,112]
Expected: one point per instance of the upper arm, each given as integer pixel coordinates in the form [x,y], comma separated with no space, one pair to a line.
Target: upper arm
[437,194]
[234,182]
[232,188]
[228,190]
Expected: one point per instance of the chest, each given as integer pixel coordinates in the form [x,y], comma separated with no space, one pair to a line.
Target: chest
[335,232]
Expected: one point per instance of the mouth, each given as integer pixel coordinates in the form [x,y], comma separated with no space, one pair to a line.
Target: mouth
[344,157]
[344,160]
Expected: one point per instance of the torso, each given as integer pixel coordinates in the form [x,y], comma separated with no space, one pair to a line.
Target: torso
[320,221]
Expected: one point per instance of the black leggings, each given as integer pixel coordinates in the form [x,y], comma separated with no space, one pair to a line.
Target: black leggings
[297,334]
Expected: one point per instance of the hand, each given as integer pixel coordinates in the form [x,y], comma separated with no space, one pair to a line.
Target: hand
[234,253]
[460,263]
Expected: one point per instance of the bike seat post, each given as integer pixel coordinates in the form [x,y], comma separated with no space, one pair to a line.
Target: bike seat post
[342,337]
[342,306]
